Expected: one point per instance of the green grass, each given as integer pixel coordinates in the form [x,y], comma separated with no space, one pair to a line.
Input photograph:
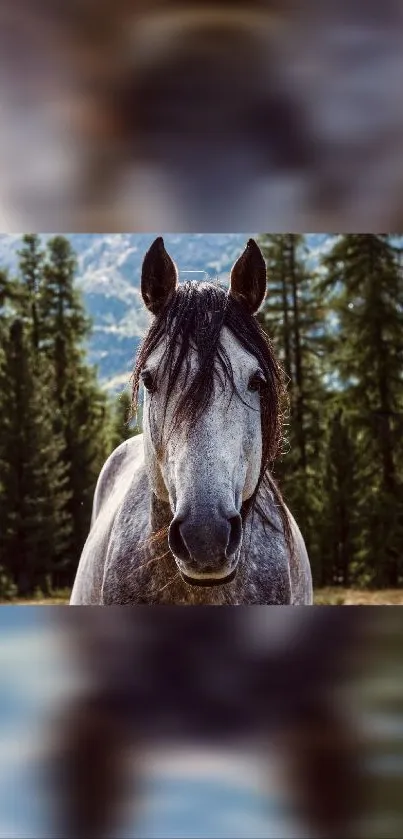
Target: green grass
[57,598]
[358,597]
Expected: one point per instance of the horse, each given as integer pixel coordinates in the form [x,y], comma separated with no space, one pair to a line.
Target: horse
[254,681]
[141,111]
[188,512]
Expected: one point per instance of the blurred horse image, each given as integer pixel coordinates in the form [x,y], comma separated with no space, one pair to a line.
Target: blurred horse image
[261,679]
[125,115]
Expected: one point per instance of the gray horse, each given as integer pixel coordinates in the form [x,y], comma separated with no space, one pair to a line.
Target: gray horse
[188,512]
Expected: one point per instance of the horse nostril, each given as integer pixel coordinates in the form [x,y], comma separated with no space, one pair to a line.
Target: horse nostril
[234,540]
[176,542]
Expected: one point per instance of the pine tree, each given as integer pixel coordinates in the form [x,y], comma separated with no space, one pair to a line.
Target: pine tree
[82,417]
[31,258]
[341,502]
[4,292]
[365,282]
[34,521]
[7,295]
[293,319]
[64,324]
[123,426]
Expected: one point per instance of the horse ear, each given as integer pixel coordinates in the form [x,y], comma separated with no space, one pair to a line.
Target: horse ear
[248,278]
[159,277]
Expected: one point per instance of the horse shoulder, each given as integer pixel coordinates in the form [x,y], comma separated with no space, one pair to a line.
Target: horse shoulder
[123,468]
[300,568]
[127,457]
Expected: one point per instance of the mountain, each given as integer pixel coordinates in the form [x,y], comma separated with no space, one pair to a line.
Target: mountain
[109,277]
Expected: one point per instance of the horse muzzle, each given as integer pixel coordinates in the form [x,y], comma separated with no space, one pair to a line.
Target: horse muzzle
[206,546]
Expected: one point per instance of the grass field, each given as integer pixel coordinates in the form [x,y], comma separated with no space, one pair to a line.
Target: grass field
[323,597]
[356,597]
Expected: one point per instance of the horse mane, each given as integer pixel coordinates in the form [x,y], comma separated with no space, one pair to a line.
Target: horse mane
[192,320]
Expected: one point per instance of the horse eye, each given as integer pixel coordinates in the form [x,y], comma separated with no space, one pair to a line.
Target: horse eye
[257,381]
[147,380]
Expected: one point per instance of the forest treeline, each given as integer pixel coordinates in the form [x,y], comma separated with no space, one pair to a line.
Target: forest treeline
[338,329]
[57,426]
[337,326]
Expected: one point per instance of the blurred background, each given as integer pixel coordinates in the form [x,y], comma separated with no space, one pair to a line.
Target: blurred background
[250,722]
[71,320]
[121,115]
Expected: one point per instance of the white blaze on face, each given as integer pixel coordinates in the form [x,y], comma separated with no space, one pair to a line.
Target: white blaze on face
[222,454]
